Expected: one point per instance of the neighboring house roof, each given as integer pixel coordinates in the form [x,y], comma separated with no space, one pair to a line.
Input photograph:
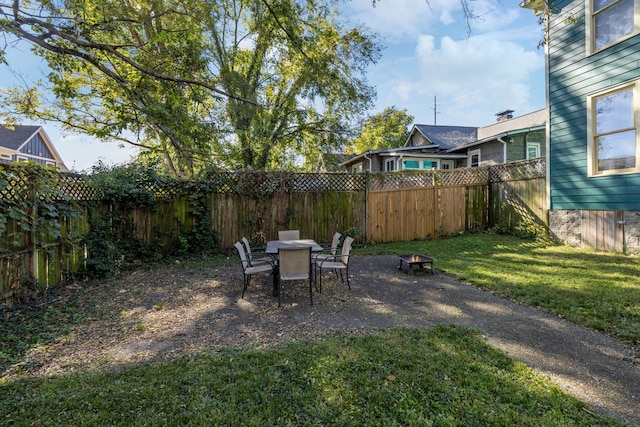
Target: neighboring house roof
[527,122]
[530,120]
[444,141]
[445,137]
[14,138]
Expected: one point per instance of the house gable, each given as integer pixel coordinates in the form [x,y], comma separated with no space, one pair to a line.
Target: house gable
[28,143]
[445,137]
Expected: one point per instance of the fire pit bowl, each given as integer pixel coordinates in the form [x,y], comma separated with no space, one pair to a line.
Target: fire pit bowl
[416,260]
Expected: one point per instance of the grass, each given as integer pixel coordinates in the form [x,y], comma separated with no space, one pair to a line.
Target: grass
[600,290]
[445,376]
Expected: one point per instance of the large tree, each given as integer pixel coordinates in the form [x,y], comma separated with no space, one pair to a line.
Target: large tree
[387,129]
[240,83]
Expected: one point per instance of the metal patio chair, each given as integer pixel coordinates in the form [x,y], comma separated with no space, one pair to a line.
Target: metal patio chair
[336,263]
[294,264]
[331,251]
[256,258]
[288,234]
[248,270]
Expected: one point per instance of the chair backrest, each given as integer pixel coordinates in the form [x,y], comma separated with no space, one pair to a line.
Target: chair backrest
[294,261]
[242,255]
[346,249]
[288,234]
[335,242]
[247,247]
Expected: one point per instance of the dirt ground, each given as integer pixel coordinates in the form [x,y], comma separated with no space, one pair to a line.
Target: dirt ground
[153,314]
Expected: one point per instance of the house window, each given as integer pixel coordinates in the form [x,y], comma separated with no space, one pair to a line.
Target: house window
[613,138]
[5,156]
[447,164]
[357,168]
[609,21]
[474,159]
[430,164]
[411,164]
[533,150]
[389,165]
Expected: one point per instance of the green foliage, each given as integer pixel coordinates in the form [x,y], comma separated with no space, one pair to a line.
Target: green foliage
[352,232]
[234,83]
[525,229]
[442,376]
[388,129]
[32,197]
[35,213]
[112,242]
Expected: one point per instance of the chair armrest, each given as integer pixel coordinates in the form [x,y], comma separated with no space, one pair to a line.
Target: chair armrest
[257,258]
[333,258]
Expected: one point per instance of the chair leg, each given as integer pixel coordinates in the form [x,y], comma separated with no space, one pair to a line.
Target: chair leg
[275,284]
[246,280]
[279,291]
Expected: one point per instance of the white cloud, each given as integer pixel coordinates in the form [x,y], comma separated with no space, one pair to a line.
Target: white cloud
[393,19]
[471,78]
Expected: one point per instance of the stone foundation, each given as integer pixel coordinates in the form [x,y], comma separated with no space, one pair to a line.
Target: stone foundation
[578,228]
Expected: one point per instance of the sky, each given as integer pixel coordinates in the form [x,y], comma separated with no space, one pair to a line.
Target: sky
[429,58]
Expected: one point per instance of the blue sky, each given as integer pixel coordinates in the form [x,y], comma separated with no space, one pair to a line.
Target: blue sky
[427,52]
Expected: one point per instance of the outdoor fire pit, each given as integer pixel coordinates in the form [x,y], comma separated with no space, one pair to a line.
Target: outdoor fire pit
[416,260]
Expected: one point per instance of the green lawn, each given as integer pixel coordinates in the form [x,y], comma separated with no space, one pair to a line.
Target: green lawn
[600,290]
[445,376]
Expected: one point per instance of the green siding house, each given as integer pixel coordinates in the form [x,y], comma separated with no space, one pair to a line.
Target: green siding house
[593,63]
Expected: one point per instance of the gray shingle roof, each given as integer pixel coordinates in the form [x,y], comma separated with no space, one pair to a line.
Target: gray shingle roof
[448,137]
[13,139]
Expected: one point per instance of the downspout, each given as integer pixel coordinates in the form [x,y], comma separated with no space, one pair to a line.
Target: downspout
[504,148]
[368,158]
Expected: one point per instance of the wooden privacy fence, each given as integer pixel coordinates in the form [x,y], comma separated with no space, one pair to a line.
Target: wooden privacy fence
[380,207]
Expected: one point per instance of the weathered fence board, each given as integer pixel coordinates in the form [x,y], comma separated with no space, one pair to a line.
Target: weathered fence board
[603,230]
[383,208]
[315,214]
[513,202]
[421,213]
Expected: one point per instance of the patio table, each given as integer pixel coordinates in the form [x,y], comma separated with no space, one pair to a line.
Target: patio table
[274,245]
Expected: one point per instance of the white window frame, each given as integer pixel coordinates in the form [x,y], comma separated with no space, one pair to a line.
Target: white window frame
[536,146]
[390,165]
[22,158]
[436,161]
[590,27]
[5,156]
[592,153]
[446,164]
[470,158]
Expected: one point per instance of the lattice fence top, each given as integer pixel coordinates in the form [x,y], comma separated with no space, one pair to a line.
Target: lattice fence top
[261,182]
[264,183]
[441,178]
[524,169]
